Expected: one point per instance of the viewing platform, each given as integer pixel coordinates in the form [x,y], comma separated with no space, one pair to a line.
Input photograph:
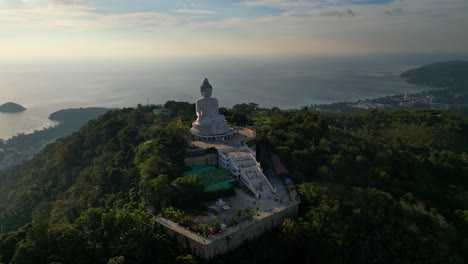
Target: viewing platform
[219,156]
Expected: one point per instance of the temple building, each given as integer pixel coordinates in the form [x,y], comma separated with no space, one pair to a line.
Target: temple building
[219,156]
[210,125]
[212,130]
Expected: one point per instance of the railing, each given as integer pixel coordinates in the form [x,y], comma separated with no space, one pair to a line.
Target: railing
[268,182]
[247,161]
[249,185]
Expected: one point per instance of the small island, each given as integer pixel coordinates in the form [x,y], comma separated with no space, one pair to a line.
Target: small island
[11,107]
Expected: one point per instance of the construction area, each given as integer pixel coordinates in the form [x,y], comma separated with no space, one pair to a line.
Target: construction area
[213,179]
[242,217]
[260,204]
[219,155]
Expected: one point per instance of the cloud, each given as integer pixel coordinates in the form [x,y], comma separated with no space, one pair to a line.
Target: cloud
[303,28]
[65,2]
[50,2]
[288,4]
[396,11]
[85,18]
[348,12]
[332,14]
[195,11]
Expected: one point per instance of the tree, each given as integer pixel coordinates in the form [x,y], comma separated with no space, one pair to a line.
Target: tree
[186,259]
[190,192]
[28,252]
[160,192]
[239,119]
[117,260]
[8,244]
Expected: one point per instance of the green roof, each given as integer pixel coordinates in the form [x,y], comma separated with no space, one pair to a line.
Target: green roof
[214,179]
[162,110]
[218,186]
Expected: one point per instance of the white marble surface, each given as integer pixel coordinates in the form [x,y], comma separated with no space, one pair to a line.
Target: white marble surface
[209,121]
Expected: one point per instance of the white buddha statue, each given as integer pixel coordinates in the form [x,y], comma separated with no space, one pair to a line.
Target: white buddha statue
[209,121]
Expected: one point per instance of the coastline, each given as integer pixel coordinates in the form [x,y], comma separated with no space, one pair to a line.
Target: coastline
[47,124]
[13,124]
[35,118]
[23,146]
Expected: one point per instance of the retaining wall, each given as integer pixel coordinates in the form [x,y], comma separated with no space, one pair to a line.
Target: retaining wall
[208,248]
[207,159]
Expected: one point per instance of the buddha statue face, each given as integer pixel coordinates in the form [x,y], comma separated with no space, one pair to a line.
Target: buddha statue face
[206,89]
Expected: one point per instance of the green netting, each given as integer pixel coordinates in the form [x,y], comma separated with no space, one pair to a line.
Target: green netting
[200,170]
[214,179]
[160,111]
[216,187]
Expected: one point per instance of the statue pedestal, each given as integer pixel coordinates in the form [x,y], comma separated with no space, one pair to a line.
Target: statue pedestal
[212,129]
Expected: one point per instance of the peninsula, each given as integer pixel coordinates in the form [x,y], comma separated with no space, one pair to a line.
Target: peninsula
[449,81]
[24,146]
[11,107]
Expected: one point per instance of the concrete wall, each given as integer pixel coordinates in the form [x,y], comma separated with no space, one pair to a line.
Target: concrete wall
[246,231]
[207,159]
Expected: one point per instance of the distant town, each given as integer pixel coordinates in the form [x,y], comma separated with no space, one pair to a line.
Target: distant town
[433,99]
[446,93]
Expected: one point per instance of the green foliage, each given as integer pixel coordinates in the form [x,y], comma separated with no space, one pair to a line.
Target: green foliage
[189,193]
[239,119]
[370,225]
[86,198]
[245,108]
[160,192]
[375,186]
[187,259]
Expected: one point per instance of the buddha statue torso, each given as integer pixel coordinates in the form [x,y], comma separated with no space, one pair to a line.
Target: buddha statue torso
[209,121]
[207,107]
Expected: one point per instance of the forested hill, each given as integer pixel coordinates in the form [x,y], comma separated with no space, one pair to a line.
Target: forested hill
[79,115]
[441,74]
[376,186]
[22,147]
[11,107]
[82,200]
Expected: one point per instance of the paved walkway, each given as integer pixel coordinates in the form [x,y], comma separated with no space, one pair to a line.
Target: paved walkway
[244,134]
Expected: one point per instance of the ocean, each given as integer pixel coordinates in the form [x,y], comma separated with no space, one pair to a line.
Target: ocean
[287,82]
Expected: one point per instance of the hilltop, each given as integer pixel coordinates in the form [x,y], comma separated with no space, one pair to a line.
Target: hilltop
[376,186]
[11,107]
[441,74]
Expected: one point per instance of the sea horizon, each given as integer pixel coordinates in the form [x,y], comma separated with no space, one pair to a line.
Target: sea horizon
[285,82]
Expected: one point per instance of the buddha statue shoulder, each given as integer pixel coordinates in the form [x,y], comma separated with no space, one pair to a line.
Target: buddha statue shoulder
[206,106]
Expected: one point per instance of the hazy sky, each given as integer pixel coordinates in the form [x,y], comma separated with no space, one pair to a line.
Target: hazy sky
[147,28]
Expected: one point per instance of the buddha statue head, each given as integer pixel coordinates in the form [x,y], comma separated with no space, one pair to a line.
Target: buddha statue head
[206,88]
